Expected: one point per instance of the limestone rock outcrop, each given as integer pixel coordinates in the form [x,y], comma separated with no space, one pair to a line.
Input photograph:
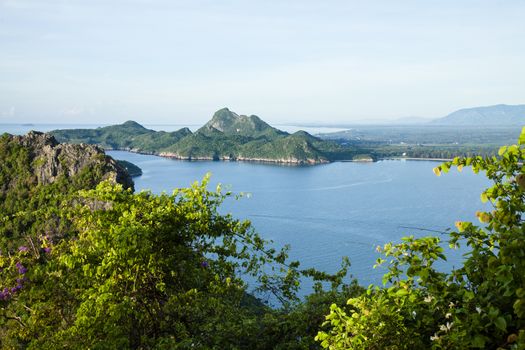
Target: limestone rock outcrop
[51,159]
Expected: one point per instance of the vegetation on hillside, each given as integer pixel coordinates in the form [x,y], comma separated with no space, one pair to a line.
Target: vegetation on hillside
[37,177]
[226,136]
[148,271]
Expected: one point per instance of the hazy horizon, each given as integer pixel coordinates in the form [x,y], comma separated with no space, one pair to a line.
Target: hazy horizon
[174,62]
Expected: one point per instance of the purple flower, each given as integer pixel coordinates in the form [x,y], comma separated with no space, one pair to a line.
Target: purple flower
[47,250]
[21,269]
[23,248]
[5,294]
[204,264]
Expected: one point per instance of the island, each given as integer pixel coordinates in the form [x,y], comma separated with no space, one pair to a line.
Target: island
[227,136]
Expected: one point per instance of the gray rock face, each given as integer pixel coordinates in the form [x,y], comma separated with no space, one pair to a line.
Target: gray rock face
[52,159]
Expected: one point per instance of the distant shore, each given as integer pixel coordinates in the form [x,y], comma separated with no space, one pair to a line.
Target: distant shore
[282,161]
[274,161]
[413,158]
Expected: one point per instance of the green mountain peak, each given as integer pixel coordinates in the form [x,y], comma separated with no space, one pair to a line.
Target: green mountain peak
[231,123]
[222,120]
[132,124]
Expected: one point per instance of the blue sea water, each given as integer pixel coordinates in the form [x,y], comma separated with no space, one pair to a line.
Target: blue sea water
[328,211]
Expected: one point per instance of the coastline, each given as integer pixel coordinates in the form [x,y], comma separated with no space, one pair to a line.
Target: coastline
[283,161]
[418,159]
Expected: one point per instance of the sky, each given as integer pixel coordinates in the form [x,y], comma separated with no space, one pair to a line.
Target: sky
[287,61]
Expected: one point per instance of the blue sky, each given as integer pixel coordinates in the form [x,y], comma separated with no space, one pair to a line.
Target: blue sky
[176,62]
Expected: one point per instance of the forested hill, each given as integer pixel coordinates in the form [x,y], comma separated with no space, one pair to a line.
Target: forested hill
[230,123]
[498,115]
[227,136]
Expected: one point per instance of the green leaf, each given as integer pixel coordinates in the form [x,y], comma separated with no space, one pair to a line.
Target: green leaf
[478,342]
[501,323]
[521,140]
[401,292]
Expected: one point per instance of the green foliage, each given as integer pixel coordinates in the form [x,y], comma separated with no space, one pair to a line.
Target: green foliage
[85,267]
[479,305]
[148,271]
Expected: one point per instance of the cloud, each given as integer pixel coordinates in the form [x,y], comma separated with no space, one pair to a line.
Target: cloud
[73,111]
[8,113]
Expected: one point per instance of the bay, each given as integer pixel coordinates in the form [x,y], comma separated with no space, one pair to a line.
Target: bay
[325,212]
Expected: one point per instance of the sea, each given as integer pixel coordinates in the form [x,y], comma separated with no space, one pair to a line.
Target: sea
[328,211]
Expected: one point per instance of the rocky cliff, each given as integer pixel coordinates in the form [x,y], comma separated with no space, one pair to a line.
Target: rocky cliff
[50,160]
[38,176]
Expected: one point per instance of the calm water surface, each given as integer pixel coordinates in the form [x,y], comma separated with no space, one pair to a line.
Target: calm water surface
[328,211]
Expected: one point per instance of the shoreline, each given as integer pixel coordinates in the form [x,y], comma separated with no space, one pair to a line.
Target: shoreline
[273,161]
[289,162]
[419,159]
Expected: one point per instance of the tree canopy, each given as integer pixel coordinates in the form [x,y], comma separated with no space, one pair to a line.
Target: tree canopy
[155,271]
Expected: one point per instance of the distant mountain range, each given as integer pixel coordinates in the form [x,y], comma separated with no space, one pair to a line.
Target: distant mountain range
[498,115]
[227,136]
